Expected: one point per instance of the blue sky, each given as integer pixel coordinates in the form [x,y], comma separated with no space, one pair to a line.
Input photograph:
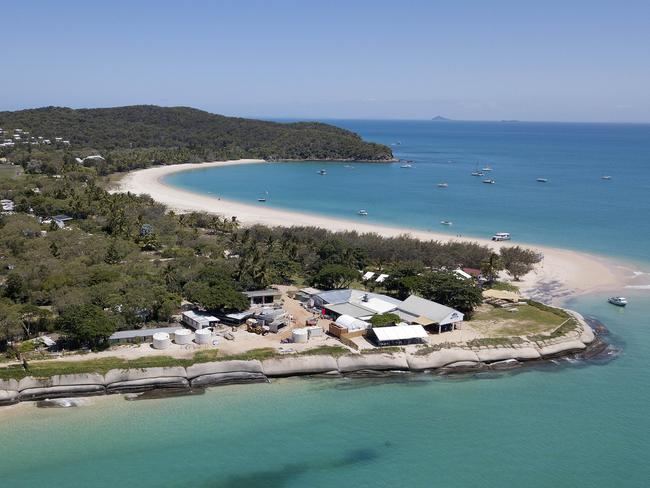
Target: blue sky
[529,60]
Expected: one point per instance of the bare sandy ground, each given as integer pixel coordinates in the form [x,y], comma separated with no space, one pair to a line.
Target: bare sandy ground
[562,272]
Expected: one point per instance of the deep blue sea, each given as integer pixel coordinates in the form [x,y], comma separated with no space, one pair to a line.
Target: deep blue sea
[560,425]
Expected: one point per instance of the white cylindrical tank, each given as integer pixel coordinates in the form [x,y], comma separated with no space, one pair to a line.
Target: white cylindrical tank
[203,336]
[300,335]
[161,340]
[182,336]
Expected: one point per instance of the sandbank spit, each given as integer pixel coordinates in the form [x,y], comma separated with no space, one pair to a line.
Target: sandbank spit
[562,272]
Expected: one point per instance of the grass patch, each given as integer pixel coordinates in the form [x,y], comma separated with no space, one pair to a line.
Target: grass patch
[528,319]
[503,286]
[47,368]
[381,350]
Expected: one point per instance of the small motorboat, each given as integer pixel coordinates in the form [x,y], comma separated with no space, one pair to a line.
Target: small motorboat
[443,185]
[446,222]
[478,173]
[363,213]
[542,180]
[605,177]
[322,172]
[489,181]
[501,236]
[618,301]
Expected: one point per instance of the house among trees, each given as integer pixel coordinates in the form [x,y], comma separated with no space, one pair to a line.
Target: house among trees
[198,320]
[269,296]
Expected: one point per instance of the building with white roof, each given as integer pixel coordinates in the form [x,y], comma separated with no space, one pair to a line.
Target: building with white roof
[198,320]
[399,335]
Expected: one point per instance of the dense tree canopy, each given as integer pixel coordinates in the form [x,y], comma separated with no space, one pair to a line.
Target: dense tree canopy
[518,261]
[138,136]
[86,324]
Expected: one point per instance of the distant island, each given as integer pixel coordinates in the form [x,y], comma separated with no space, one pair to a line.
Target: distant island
[141,135]
[440,118]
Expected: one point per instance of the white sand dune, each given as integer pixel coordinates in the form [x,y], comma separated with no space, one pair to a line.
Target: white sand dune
[562,272]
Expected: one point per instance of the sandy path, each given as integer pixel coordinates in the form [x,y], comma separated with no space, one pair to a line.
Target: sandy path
[562,273]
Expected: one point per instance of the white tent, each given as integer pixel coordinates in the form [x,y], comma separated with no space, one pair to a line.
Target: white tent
[351,323]
[368,275]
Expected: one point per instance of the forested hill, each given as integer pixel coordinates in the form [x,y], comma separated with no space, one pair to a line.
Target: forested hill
[200,134]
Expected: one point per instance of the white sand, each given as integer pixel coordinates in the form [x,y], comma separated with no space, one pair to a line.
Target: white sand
[562,272]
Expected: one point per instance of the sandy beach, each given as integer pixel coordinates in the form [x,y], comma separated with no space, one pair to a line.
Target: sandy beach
[562,272]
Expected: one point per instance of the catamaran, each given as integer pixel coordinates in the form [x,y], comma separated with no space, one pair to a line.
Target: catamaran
[501,236]
[363,213]
[263,197]
[489,181]
[487,168]
[446,222]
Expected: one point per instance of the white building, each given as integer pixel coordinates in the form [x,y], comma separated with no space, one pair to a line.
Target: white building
[198,320]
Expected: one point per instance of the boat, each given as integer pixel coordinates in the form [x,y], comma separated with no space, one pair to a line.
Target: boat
[263,197]
[501,236]
[542,180]
[605,177]
[487,168]
[618,301]
[489,181]
[322,172]
[363,213]
[478,173]
[406,165]
[446,222]
[442,185]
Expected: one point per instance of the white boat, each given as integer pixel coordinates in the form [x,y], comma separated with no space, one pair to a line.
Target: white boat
[542,180]
[605,177]
[442,185]
[322,172]
[489,181]
[406,165]
[446,222]
[618,301]
[263,197]
[501,236]
[363,213]
[478,173]
[487,168]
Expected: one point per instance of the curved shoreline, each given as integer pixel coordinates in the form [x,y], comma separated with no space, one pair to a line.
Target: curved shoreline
[563,273]
[452,360]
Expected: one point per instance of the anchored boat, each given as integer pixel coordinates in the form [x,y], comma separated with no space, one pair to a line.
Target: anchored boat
[618,301]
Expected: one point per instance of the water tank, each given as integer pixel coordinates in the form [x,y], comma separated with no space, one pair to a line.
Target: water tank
[314,332]
[182,336]
[203,336]
[300,335]
[161,340]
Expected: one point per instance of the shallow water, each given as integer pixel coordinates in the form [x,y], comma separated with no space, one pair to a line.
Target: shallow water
[562,425]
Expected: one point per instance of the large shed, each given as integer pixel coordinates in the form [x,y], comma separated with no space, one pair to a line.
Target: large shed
[399,335]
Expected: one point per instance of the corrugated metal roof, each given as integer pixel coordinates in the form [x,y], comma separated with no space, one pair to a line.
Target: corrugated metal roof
[349,309]
[436,312]
[262,293]
[132,334]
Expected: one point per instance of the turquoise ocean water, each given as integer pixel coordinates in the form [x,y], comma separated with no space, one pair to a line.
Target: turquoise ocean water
[563,425]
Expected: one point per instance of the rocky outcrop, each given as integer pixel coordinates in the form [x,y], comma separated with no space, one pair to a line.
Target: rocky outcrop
[376,362]
[561,348]
[440,359]
[8,397]
[503,353]
[299,365]
[132,380]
